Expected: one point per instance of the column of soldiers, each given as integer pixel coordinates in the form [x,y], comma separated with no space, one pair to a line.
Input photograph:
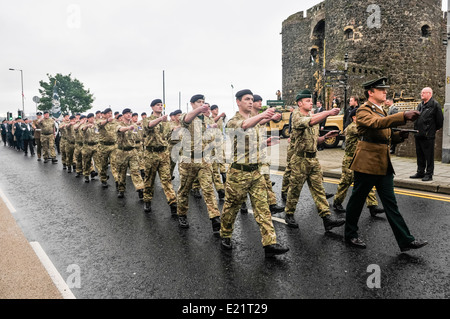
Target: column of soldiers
[195,141]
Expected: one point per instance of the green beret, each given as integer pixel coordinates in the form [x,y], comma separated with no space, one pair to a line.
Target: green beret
[242,93]
[305,94]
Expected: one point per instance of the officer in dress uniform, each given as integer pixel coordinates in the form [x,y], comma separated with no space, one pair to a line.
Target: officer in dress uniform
[372,165]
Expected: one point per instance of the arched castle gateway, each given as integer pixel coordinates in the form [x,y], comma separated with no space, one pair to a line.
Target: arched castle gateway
[395,38]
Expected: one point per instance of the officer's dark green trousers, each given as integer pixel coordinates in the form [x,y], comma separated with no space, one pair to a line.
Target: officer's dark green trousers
[384,184]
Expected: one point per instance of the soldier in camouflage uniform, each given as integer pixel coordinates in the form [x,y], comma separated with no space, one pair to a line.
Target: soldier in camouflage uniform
[48,138]
[290,152]
[351,140]
[127,156]
[174,143]
[264,160]
[219,165]
[90,145]
[63,140]
[244,177]
[70,142]
[79,145]
[193,164]
[140,143]
[157,157]
[304,163]
[107,145]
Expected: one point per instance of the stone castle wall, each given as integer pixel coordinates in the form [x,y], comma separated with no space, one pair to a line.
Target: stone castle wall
[401,40]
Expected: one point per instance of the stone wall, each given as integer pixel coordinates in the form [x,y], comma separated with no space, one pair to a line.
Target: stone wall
[405,45]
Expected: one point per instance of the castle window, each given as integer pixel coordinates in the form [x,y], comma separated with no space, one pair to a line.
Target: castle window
[426,31]
[349,34]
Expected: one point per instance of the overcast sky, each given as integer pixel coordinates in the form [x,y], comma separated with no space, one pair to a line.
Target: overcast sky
[119,49]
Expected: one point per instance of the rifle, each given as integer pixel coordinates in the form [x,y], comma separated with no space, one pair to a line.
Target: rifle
[404,130]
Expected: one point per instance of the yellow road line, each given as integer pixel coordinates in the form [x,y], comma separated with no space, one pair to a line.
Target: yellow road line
[443,198]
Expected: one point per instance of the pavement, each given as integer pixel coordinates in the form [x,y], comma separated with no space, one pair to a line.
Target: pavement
[24,276]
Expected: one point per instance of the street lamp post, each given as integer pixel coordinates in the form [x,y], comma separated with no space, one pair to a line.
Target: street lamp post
[346,80]
[23,97]
[446,128]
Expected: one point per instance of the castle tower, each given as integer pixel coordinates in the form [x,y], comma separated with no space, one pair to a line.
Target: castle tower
[401,40]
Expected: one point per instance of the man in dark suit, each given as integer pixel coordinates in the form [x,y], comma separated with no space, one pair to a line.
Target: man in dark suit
[431,120]
[27,137]
[372,165]
[18,132]
[4,128]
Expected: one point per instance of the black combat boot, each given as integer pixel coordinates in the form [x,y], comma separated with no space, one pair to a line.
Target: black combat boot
[330,222]
[121,195]
[196,193]
[183,222]
[141,194]
[338,208]
[173,209]
[244,209]
[375,210]
[54,161]
[104,184]
[275,249]
[275,209]
[226,243]
[221,194]
[215,222]
[147,207]
[224,177]
[86,179]
[290,220]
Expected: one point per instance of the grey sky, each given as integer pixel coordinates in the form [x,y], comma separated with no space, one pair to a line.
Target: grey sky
[119,49]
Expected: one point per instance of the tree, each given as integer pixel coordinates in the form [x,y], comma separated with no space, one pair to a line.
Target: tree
[73,97]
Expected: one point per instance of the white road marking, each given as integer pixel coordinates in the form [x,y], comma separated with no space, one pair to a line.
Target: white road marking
[7,202]
[52,271]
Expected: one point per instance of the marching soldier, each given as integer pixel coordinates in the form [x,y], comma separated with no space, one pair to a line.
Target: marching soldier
[175,140]
[157,157]
[78,155]
[37,135]
[265,165]
[219,120]
[351,140]
[107,145]
[245,178]
[90,146]
[127,156]
[193,165]
[139,143]
[70,142]
[47,125]
[304,163]
[372,165]
[63,140]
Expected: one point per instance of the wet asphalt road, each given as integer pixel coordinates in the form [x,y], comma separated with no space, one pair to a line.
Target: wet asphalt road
[123,252]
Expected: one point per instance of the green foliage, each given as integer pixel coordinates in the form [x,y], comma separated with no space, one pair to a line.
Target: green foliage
[74,98]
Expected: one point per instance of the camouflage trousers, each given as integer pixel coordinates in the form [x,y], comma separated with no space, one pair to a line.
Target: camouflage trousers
[188,173]
[271,197]
[287,172]
[78,157]
[156,162]
[70,149]
[104,159]
[306,170]
[128,160]
[237,186]
[113,164]
[48,146]
[346,181]
[89,155]
[62,148]
[217,179]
